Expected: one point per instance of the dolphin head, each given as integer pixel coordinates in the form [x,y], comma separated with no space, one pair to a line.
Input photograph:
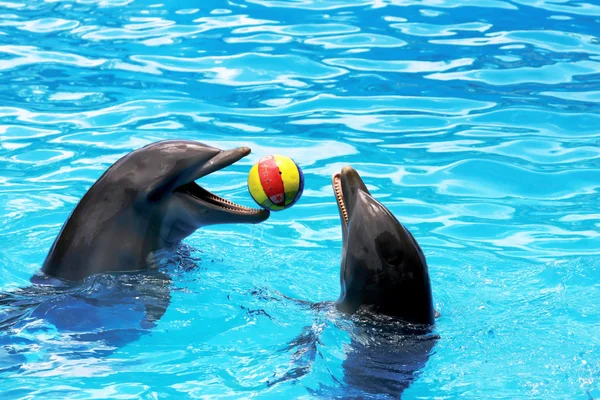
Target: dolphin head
[382,268]
[161,178]
[146,201]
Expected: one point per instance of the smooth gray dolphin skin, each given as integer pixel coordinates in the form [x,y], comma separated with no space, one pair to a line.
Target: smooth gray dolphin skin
[382,268]
[144,202]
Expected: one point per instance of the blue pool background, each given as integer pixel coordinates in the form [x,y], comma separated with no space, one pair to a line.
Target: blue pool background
[475,121]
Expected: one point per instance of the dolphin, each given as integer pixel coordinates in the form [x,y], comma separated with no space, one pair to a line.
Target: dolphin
[383,267]
[385,282]
[385,293]
[104,261]
[146,201]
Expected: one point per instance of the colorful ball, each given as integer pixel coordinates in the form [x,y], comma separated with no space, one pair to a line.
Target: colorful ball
[276,182]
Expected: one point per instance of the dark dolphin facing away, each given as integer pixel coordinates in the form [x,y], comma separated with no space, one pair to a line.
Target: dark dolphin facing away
[144,202]
[384,280]
[385,286]
[383,267]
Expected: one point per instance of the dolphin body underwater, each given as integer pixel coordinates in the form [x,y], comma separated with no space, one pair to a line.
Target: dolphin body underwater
[145,203]
[386,291]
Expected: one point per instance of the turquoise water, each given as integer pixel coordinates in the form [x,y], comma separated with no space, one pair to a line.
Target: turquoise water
[475,121]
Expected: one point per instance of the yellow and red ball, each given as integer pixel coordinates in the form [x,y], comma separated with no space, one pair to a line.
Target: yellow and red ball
[276,182]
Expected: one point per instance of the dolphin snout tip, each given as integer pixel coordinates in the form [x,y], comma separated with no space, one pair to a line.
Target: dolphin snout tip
[245,150]
[265,216]
[347,169]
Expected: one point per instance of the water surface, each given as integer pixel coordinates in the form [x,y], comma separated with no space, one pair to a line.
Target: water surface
[476,122]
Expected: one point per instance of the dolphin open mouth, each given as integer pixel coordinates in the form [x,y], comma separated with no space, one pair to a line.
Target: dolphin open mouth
[203,195]
[336,182]
[222,160]
[347,186]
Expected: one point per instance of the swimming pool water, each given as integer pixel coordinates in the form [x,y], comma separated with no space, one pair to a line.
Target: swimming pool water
[475,121]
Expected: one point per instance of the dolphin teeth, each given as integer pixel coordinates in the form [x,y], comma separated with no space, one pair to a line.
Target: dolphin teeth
[202,194]
[337,188]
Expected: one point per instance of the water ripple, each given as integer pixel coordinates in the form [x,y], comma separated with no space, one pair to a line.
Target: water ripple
[356,40]
[434,30]
[26,55]
[43,25]
[569,7]
[163,31]
[407,66]
[592,96]
[300,30]
[556,41]
[547,74]
[246,69]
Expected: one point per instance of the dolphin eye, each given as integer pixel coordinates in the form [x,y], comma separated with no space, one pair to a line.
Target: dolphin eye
[389,249]
[395,257]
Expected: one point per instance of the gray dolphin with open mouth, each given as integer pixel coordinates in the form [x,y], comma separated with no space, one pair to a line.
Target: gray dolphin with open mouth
[383,267]
[144,202]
